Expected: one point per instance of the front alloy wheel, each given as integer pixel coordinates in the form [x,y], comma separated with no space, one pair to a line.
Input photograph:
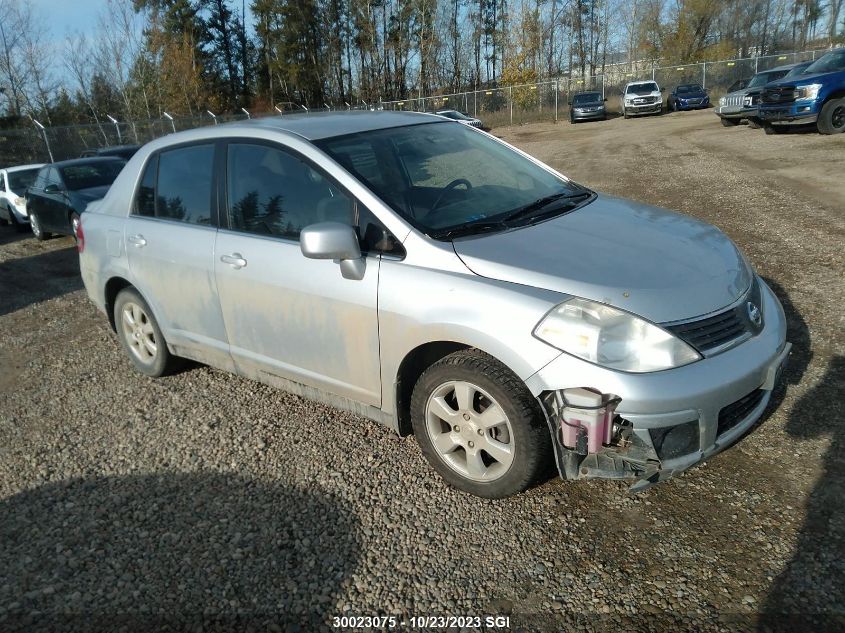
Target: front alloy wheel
[469,430]
[37,231]
[479,426]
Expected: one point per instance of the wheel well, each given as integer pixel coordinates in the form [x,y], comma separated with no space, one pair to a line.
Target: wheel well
[412,367]
[114,286]
[839,94]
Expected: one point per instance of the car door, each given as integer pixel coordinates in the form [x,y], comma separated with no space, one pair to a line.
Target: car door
[286,315]
[169,237]
[52,203]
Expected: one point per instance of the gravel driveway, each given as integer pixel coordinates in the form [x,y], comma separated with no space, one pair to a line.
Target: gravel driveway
[207,500]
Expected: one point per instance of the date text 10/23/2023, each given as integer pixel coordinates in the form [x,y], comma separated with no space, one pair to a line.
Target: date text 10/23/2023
[421,621]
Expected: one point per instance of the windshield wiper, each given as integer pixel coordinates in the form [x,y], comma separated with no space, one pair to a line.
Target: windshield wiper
[538,205]
[469,229]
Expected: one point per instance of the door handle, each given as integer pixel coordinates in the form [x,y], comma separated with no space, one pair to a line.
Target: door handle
[138,240]
[235,260]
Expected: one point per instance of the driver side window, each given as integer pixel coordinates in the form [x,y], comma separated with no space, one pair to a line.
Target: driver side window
[271,192]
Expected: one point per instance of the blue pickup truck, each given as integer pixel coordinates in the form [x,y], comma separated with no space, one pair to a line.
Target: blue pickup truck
[816,96]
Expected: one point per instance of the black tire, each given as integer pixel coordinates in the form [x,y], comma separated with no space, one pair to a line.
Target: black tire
[20,227]
[624,114]
[163,361]
[768,128]
[532,446]
[832,117]
[35,225]
[571,120]
[729,122]
[4,221]
[753,124]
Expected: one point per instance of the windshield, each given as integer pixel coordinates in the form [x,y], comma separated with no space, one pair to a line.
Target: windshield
[688,88]
[761,79]
[454,114]
[19,181]
[800,69]
[589,97]
[440,176]
[827,63]
[642,89]
[85,176]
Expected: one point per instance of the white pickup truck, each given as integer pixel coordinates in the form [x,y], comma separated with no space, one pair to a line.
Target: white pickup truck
[641,97]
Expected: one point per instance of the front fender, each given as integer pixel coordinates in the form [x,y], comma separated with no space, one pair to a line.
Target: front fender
[423,305]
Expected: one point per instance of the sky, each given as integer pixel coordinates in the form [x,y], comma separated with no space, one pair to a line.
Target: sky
[65,17]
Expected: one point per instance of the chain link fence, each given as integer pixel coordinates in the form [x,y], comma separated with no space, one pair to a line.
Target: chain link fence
[548,100]
[496,106]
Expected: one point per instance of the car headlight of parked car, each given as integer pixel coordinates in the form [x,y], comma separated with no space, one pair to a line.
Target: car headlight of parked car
[722,101]
[808,93]
[612,338]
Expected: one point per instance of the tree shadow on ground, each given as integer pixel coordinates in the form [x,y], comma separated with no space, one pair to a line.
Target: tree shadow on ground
[202,552]
[33,279]
[810,593]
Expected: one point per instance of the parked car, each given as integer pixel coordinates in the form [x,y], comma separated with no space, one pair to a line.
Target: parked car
[687,97]
[119,151]
[587,106]
[641,97]
[816,96]
[463,118]
[14,182]
[752,97]
[61,191]
[439,281]
[732,110]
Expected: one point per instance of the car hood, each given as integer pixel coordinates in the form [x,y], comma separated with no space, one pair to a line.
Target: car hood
[660,265]
[634,95]
[805,80]
[692,95]
[84,196]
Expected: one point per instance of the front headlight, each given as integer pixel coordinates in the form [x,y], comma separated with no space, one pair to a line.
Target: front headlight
[19,201]
[612,338]
[808,93]
[722,101]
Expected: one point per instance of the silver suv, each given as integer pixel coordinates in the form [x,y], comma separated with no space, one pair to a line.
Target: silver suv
[733,108]
[424,274]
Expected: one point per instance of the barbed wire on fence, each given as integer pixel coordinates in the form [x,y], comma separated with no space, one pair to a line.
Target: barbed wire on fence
[498,105]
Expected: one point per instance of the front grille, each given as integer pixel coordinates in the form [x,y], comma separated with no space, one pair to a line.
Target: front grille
[733,100]
[736,412]
[713,332]
[645,100]
[779,94]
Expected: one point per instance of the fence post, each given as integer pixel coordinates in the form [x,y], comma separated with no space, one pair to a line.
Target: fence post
[756,63]
[510,92]
[44,136]
[556,91]
[704,75]
[475,104]
[653,69]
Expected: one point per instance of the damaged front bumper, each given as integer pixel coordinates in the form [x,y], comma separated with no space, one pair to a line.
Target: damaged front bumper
[669,421]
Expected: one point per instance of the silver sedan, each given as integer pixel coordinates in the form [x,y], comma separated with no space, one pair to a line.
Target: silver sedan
[424,274]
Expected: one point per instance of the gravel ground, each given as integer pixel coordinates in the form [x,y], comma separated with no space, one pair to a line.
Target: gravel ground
[209,502]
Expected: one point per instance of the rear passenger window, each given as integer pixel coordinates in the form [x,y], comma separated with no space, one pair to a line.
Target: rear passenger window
[183,187]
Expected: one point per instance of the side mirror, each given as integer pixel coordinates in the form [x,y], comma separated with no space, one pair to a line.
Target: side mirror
[52,188]
[333,240]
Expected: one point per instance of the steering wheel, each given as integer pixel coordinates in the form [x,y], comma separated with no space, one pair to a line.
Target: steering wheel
[447,189]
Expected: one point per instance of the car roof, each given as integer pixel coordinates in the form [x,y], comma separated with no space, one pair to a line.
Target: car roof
[322,125]
[587,92]
[87,161]
[23,167]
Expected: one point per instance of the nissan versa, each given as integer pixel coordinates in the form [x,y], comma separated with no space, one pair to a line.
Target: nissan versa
[429,276]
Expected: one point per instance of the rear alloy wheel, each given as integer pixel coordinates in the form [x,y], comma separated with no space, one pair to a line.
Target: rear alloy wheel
[832,117]
[37,231]
[140,335]
[729,122]
[479,426]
